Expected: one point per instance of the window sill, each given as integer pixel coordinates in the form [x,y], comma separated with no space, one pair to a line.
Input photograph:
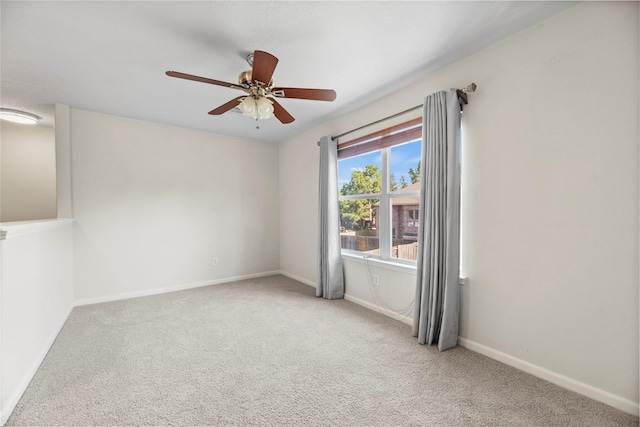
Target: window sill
[389,265]
[377,262]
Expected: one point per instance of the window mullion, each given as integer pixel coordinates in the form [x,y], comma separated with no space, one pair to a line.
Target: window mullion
[384,232]
[359,196]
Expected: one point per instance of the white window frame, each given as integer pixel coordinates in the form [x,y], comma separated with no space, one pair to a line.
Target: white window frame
[385,219]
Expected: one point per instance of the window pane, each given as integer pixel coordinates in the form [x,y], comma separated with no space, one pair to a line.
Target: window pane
[405,227]
[360,174]
[405,165]
[360,186]
[359,225]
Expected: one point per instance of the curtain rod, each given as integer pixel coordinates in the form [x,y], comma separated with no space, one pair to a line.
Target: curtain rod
[462,95]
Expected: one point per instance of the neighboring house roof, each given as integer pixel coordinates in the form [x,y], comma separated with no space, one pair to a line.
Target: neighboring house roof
[406,200]
[411,187]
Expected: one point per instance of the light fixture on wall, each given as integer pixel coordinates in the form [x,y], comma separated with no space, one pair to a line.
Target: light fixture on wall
[17,116]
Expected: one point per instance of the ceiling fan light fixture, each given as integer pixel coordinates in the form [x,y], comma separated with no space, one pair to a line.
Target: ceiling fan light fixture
[17,116]
[248,107]
[259,103]
[260,108]
[265,108]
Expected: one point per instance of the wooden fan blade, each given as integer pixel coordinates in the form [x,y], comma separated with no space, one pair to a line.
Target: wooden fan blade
[299,93]
[280,113]
[264,64]
[202,79]
[226,106]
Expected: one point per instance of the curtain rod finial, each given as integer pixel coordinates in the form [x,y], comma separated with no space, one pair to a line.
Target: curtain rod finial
[471,88]
[462,94]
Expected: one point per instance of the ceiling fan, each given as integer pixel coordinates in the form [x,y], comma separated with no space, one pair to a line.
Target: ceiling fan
[259,102]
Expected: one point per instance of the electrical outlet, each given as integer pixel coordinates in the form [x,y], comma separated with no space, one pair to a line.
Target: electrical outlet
[215,261]
[376,279]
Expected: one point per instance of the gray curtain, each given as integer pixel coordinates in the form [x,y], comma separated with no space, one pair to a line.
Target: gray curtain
[436,313]
[330,275]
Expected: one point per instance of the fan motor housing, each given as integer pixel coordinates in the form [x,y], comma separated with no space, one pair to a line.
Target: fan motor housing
[245,78]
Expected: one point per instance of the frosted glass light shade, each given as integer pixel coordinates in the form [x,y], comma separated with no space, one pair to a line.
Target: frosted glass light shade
[17,116]
[248,107]
[265,108]
[261,108]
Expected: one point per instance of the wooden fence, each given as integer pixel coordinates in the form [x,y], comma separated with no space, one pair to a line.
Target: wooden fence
[371,244]
[409,252]
[359,243]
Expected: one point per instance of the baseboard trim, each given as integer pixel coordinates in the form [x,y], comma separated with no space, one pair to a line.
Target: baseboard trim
[17,394]
[392,314]
[297,278]
[553,377]
[363,303]
[589,391]
[158,291]
[545,374]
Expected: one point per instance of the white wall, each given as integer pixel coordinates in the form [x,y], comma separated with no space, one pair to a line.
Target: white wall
[36,265]
[154,204]
[28,172]
[550,199]
[551,193]
[63,161]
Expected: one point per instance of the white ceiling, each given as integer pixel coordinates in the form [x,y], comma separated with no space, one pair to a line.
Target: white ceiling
[111,57]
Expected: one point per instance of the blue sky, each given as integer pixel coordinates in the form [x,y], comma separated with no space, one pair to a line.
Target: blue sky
[403,157]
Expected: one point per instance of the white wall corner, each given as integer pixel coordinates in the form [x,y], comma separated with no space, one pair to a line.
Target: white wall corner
[63,161]
[298,278]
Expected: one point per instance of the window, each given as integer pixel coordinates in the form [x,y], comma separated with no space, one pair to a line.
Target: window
[412,217]
[379,185]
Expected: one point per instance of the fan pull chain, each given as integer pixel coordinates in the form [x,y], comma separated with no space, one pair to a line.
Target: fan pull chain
[257,114]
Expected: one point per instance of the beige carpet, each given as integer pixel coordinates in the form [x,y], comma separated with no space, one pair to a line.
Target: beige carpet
[267,352]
